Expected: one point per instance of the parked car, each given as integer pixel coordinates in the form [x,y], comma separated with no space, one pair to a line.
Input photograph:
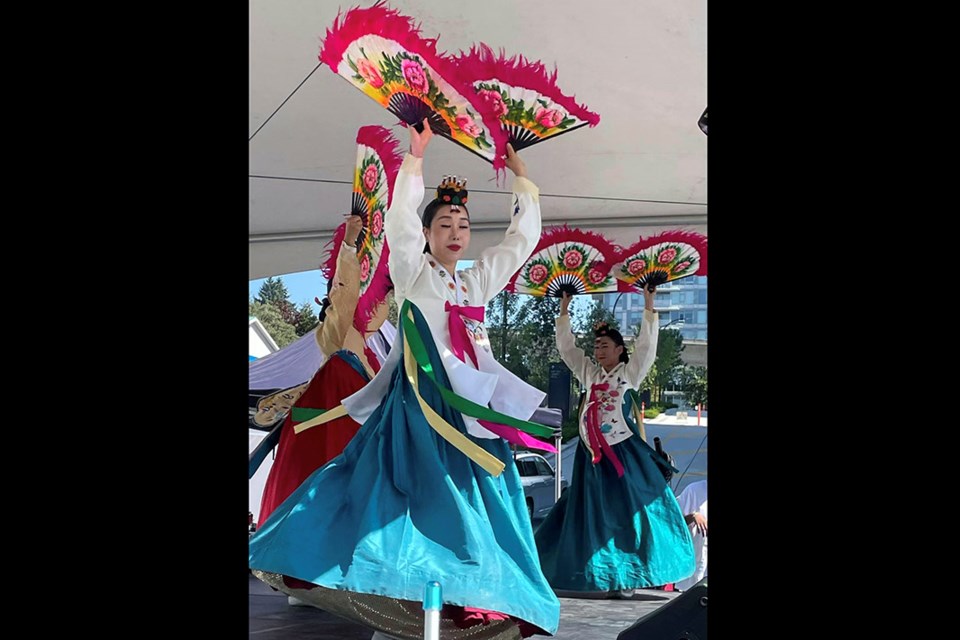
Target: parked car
[538,480]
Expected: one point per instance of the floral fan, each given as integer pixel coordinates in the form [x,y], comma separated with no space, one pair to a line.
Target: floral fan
[524,97]
[378,161]
[661,258]
[567,260]
[381,53]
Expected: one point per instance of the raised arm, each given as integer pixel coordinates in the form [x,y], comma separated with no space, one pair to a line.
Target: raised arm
[496,265]
[344,292]
[645,346]
[403,227]
[570,353]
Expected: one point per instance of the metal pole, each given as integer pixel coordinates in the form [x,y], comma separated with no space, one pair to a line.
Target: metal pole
[503,328]
[557,442]
[432,603]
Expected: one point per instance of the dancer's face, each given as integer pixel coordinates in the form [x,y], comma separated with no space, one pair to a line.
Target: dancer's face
[449,234]
[607,352]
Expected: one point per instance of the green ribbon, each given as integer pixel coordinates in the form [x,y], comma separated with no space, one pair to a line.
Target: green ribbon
[302,414]
[461,404]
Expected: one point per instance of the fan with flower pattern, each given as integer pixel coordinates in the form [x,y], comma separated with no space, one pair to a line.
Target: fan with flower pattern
[378,161]
[661,258]
[567,260]
[523,95]
[382,53]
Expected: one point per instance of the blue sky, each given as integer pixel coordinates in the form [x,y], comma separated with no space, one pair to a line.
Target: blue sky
[304,285]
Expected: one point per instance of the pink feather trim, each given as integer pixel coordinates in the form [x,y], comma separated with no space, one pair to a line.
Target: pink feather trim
[377,19]
[329,266]
[368,304]
[562,233]
[481,64]
[387,147]
[695,240]
[391,25]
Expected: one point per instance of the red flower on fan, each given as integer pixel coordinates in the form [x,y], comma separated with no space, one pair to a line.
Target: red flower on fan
[682,266]
[369,72]
[595,275]
[494,100]
[667,255]
[370,178]
[548,118]
[636,266]
[415,76]
[364,268]
[468,126]
[538,273]
[376,225]
[572,259]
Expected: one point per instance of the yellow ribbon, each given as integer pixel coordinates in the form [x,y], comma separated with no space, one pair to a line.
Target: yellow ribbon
[639,420]
[337,412]
[490,463]
[487,461]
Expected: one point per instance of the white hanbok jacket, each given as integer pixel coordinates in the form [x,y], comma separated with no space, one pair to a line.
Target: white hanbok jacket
[419,278]
[621,378]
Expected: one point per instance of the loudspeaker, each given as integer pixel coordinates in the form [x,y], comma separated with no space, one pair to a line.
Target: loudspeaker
[683,618]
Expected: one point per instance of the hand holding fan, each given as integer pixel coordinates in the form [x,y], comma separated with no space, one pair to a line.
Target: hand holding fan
[523,95]
[378,161]
[567,260]
[381,53]
[661,258]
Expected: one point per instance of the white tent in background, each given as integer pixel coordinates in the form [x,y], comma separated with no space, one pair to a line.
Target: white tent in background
[261,344]
[298,361]
[640,64]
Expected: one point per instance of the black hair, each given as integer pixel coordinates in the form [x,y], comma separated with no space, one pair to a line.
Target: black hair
[323,308]
[606,331]
[430,212]
[326,299]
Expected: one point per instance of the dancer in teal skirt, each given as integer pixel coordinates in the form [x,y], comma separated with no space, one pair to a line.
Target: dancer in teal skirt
[618,527]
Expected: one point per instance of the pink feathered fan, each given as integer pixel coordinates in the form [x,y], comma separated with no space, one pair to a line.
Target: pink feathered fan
[661,258]
[523,95]
[567,260]
[378,161]
[382,53]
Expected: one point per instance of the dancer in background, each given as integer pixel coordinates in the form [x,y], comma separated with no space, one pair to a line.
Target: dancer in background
[618,527]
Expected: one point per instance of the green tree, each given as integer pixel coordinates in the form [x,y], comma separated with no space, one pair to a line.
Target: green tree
[271,319]
[499,320]
[668,362]
[584,327]
[307,319]
[695,386]
[536,338]
[273,291]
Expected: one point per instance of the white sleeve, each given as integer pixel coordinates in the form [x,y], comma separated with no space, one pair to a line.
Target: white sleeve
[495,266]
[686,501]
[403,227]
[572,355]
[644,349]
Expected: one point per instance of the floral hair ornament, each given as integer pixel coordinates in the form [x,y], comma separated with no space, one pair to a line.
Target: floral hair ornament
[453,191]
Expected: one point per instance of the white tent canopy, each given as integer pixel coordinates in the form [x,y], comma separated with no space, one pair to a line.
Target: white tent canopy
[640,64]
